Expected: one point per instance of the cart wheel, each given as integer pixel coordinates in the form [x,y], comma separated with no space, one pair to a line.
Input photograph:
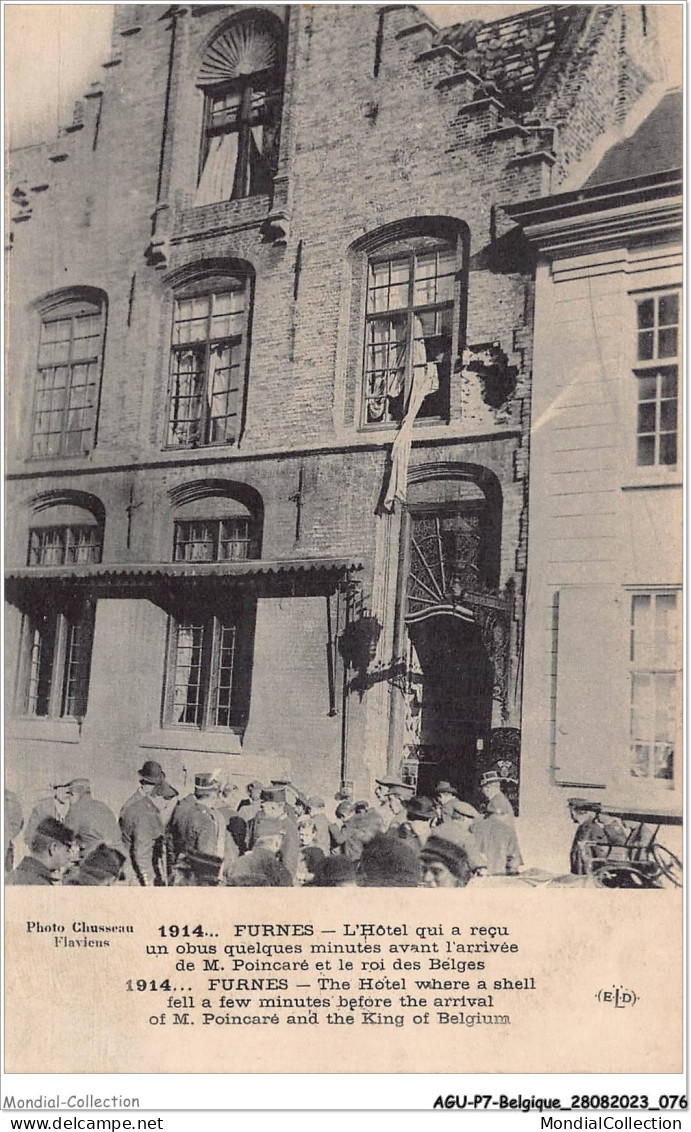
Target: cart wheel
[668,864]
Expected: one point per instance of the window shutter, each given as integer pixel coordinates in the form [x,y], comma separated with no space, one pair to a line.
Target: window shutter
[592,685]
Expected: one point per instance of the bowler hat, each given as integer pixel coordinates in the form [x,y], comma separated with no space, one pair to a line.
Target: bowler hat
[420,808]
[151,773]
[54,830]
[315,803]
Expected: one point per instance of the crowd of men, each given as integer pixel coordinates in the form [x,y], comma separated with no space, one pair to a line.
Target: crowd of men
[266,835]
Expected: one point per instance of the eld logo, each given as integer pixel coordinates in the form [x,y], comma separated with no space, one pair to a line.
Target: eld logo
[618,997]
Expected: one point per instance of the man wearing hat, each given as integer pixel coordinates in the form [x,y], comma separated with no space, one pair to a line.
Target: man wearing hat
[142,827]
[420,813]
[55,805]
[200,823]
[273,811]
[459,819]
[291,797]
[444,860]
[92,822]
[249,806]
[497,802]
[50,853]
[444,794]
[496,833]
[393,808]
[101,867]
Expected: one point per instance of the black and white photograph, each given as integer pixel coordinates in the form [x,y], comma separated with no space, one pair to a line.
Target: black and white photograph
[343,522]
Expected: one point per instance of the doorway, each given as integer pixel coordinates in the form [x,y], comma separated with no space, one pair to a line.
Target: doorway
[451,679]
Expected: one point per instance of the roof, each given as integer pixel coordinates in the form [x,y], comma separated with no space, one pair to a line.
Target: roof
[655,147]
[150,572]
[513,53]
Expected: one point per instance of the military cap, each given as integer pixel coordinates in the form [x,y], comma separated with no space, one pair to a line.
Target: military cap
[489,778]
[205,783]
[396,786]
[273,794]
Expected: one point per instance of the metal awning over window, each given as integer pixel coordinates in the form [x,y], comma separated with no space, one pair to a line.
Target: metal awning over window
[296,575]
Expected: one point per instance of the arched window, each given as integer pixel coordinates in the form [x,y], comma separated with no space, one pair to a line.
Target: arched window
[242,77]
[209,358]
[413,313]
[70,358]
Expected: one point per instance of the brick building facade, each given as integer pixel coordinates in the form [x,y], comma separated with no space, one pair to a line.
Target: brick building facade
[226,276]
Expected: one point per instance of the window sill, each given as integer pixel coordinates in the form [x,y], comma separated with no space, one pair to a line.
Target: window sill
[394,426]
[45,729]
[224,214]
[214,446]
[643,478]
[174,739]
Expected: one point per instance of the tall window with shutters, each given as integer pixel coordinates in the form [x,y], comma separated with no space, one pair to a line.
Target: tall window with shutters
[208,361]
[242,79]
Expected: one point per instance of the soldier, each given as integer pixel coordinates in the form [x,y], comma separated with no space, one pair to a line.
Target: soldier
[50,853]
[200,823]
[143,831]
[459,823]
[397,793]
[92,822]
[496,833]
[273,811]
[497,802]
[55,806]
[420,814]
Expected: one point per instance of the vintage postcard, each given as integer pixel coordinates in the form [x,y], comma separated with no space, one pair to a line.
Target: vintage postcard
[343,541]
